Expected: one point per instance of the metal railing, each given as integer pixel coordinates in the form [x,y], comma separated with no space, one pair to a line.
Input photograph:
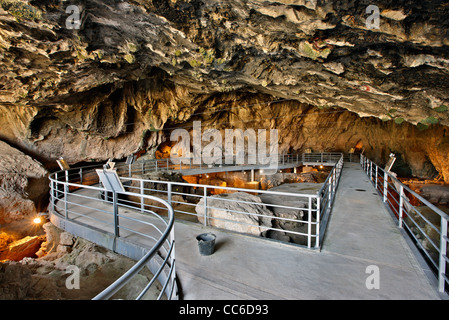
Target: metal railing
[425,223]
[322,157]
[179,164]
[300,218]
[327,195]
[74,197]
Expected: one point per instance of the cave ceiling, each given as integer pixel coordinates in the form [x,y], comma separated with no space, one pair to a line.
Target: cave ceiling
[91,72]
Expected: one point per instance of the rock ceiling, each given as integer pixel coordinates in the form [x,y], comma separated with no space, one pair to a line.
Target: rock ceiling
[134,68]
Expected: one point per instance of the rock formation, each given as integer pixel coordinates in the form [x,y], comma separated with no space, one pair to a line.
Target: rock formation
[298,210]
[23,184]
[93,80]
[46,277]
[240,211]
[133,70]
[22,248]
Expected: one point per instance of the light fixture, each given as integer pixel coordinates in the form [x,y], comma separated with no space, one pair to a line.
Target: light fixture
[41,217]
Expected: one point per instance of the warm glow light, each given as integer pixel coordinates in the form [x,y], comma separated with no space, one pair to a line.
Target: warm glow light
[321,167]
[37,220]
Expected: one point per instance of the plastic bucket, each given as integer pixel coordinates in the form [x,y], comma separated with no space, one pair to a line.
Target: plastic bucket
[206,243]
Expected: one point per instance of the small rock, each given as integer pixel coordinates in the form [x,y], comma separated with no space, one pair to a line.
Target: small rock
[66,239]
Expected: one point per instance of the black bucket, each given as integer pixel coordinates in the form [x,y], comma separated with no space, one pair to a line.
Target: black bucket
[206,243]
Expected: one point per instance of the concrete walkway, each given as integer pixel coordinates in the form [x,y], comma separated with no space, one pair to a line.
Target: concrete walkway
[360,234]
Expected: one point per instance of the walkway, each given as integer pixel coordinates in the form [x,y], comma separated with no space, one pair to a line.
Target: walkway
[360,233]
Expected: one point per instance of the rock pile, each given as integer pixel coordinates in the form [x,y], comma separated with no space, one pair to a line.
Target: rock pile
[47,277]
[256,215]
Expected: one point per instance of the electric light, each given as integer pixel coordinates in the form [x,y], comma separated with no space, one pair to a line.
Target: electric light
[37,220]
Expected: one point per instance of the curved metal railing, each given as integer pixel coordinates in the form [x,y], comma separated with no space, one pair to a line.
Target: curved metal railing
[75,197]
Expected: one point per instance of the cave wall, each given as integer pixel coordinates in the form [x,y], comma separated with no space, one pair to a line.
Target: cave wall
[140,115]
[135,70]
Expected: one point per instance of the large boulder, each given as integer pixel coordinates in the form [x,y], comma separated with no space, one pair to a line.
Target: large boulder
[240,212]
[23,182]
[436,194]
[19,249]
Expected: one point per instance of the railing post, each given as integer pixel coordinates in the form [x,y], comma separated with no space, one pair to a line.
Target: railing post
[318,219]
[142,199]
[52,195]
[377,169]
[401,205]
[66,191]
[115,207]
[334,179]
[205,206]
[385,186]
[169,193]
[81,175]
[57,185]
[442,256]
[309,229]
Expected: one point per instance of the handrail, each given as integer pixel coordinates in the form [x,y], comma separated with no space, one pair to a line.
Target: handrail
[125,278]
[60,193]
[319,205]
[406,213]
[313,208]
[327,196]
